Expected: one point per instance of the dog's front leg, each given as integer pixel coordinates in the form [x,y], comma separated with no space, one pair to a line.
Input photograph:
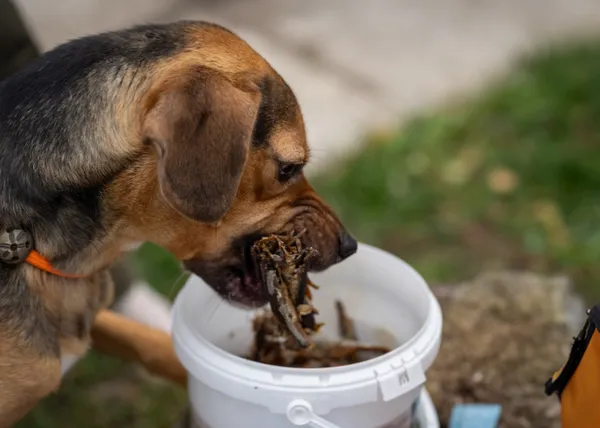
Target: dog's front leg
[26,376]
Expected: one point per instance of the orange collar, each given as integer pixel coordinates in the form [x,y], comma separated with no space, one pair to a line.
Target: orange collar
[35,259]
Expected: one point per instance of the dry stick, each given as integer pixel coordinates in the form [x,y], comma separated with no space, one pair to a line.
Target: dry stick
[281,262]
[121,337]
[348,333]
[347,330]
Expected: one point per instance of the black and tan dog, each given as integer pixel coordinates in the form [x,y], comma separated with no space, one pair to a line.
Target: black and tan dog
[177,134]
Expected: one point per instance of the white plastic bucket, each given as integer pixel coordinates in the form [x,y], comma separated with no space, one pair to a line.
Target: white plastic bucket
[391,305]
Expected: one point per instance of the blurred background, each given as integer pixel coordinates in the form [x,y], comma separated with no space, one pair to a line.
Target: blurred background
[462,135]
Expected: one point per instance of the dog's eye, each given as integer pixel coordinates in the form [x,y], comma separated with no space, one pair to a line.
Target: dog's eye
[288,170]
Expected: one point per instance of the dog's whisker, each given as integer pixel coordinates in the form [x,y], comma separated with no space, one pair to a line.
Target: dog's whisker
[218,304]
[319,154]
[176,285]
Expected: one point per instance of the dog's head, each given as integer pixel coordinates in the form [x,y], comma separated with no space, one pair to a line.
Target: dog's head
[227,150]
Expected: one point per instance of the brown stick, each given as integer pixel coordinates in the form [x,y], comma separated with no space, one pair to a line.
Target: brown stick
[347,330]
[121,337]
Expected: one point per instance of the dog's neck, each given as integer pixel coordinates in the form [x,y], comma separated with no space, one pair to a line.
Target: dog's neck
[76,231]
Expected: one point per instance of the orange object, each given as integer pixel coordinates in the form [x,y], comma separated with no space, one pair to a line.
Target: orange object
[577,382]
[37,260]
[118,336]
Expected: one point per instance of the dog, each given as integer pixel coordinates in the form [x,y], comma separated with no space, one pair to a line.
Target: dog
[177,134]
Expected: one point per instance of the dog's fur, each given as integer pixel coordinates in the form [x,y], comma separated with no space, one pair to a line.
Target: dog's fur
[178,134]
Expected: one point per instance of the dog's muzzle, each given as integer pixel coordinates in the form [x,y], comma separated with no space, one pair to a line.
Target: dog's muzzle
[234,276]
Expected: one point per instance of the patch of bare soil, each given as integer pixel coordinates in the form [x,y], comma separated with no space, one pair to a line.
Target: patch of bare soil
[504,335]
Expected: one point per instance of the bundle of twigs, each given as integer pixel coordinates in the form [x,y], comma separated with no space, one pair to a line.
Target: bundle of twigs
[284,335]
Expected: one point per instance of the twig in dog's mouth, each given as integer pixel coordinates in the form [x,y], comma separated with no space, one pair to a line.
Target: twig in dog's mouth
[281,266]
[283,336]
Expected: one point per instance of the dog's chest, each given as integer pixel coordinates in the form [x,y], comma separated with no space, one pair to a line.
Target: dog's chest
[79,307]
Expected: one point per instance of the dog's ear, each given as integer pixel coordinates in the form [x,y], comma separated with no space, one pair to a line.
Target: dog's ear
[202,129]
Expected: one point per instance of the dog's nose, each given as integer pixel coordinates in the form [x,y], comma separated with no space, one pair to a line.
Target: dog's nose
[348,245]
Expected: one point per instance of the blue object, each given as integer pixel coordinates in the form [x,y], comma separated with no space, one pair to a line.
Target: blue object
[475,416]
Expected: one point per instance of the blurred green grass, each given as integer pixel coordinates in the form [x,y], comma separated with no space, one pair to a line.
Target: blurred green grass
[510,179]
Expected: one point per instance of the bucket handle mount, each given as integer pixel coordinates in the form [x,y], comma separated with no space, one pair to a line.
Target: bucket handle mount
[300,413]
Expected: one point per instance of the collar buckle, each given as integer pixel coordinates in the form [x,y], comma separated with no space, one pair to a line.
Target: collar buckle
[15,245]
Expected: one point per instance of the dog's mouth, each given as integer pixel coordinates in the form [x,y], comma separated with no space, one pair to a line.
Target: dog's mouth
[237,281]
[234,274]
[242,283]
[243,288]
